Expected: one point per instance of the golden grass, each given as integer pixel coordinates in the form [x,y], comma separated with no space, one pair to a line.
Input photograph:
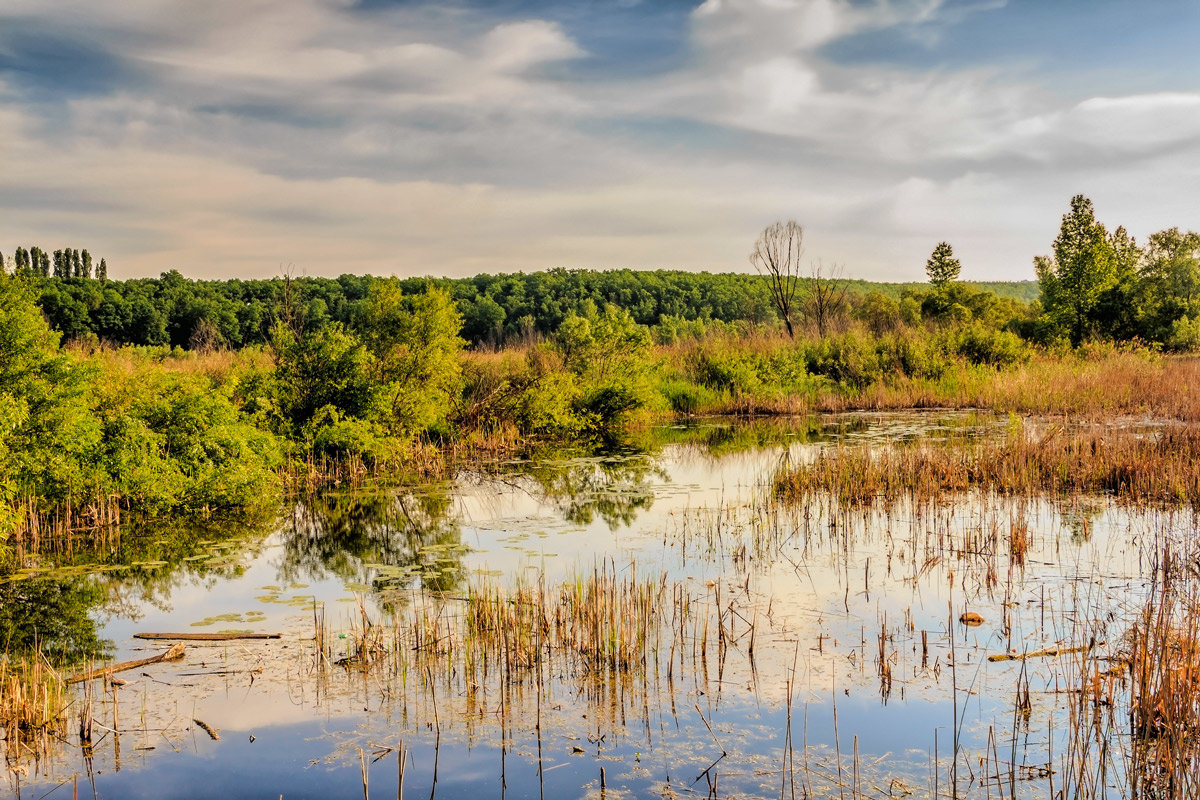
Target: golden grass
[33,707]
[1164,670]
[1162,467]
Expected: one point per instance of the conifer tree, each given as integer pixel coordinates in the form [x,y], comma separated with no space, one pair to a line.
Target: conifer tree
[942,267]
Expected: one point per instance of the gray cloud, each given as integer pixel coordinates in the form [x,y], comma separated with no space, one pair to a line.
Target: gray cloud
[227,138]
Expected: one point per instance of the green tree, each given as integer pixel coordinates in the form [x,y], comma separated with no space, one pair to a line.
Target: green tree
[942,267]
[62,264]
[415,342]
[329,368]
[21,262]
[1170,282]
[41,421]
[40,261]
[1082,269]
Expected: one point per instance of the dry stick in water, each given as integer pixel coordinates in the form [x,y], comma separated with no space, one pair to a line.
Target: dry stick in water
[1049,651]
[362,761]
[401,756]
[206,637]
[174,653]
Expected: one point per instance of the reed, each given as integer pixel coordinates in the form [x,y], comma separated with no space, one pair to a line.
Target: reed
[1164,713]
[1156,467]
[33,707]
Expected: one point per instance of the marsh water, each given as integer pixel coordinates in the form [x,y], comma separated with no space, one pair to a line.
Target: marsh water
[807,650]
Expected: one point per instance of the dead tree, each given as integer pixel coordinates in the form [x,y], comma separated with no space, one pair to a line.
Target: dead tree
[777,255]
[826,295]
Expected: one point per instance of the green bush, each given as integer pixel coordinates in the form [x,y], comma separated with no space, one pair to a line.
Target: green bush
[987,346]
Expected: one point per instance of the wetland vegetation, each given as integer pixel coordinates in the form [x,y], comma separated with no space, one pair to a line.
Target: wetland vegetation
[563,534]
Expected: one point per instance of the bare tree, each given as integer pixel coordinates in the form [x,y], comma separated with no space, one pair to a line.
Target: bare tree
[826,295]
[777,255]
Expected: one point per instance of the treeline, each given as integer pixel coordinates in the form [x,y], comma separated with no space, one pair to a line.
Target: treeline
[496,309]
[228,392]
[67,263]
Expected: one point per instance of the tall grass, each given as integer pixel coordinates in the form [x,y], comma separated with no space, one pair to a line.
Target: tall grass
[33,707]
[1164,669]
[1155,467]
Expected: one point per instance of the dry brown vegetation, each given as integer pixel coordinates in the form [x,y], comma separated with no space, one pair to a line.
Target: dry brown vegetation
[1157,467]
[33,707]
[1164,668]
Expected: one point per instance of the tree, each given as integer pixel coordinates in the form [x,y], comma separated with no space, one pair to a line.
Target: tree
[826,295]
[942,267]
[62,264]
[415,345]
[102,271]
[777,254]
[1083,267]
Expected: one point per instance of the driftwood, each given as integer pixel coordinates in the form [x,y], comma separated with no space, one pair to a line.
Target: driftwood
[174,653]
[1049,651]
[206,637]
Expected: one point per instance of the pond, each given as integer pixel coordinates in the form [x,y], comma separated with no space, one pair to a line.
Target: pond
[639,620]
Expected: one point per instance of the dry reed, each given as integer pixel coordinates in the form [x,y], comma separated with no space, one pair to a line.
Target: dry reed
[33,707]
[1162,467]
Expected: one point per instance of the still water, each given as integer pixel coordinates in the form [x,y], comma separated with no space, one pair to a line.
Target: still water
[782,652]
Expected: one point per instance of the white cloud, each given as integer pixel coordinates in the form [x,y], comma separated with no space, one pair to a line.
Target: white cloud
[432,140]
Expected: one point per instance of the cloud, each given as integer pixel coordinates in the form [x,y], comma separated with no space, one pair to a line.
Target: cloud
[232,137]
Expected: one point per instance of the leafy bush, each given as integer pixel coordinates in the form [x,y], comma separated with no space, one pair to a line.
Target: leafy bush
[997,348]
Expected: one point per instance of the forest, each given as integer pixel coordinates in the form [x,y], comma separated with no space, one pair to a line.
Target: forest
[150,396]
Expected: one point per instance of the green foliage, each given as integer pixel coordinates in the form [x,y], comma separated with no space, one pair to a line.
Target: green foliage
[1084,266]
[685,397]
[547,408]
[1169,293]
[982,345]
[179,442]
[333,434]
[415,344]
[942,267]
[1185,334]
[609,353]
[328,368]
[44,427]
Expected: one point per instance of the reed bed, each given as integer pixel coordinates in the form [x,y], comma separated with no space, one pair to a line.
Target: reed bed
[599,621]
[1160,467]
[33,707]
[1164,705]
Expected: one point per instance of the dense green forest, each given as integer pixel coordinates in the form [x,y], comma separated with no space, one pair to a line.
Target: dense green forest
[173,310]
[221,394]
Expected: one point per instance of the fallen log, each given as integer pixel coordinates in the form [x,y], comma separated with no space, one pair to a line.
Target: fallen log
[206,637]
[174,653]
[1049,651]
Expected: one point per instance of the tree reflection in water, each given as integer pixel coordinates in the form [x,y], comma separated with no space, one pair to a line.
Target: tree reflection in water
[381,539]
[52,614]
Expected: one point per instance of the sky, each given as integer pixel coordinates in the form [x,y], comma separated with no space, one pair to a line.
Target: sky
[245,138]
